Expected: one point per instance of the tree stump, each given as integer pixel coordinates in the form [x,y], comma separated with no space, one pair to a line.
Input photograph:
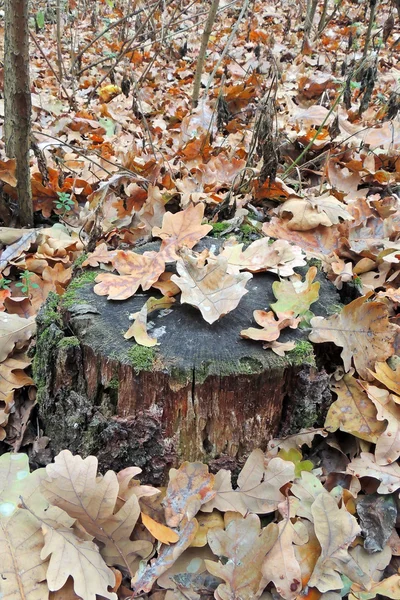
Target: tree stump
[203,393]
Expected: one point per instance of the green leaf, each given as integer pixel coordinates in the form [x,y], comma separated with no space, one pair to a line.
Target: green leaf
[40,19]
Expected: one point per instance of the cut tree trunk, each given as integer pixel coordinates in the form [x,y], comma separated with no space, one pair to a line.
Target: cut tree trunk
[203,394]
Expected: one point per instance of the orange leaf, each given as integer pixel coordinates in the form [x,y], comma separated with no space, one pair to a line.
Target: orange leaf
[162,533]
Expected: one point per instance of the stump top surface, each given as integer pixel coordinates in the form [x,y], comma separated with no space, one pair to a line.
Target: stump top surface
[185,339]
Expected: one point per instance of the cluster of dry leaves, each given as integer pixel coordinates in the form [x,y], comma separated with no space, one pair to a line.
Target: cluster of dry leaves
[144,164]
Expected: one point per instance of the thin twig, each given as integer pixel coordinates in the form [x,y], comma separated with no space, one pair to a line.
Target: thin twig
[71,100]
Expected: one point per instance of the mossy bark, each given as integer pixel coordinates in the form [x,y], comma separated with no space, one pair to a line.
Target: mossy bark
[203,393]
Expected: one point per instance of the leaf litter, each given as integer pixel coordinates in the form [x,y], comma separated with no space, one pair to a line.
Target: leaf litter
[300,164]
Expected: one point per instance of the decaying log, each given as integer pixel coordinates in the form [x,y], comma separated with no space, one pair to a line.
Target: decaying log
[203,393]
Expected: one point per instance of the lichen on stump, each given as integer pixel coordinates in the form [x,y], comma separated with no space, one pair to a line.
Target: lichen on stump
[202,394]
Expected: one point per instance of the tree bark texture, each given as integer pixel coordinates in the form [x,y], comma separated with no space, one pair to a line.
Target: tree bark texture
[17,101]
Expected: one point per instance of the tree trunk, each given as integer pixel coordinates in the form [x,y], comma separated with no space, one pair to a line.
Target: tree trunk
[203,393]
[17,101]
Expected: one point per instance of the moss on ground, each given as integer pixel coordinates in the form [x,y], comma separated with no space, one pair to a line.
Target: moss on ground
[219,228]
[141,358]
[68,342]
[69,297]
[302,353]
[81,259]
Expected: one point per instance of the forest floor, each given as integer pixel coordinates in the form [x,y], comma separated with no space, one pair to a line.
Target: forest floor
[291,156]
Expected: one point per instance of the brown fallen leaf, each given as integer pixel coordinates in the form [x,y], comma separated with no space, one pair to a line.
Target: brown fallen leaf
[387,407]
[165,285]
[353,411]
[72,484]
[135,270]
[138,329]
[245,545]
[101,255]
[271,328]
[365,465]
[280,565]
[12,375]
[13,251]
[189,488]
[258,486]
[14,330]
[389,377]
[335,529]
[78,558]
[183,229]
[210,288]
[319,242]
[362,329]
[309,213]
[279,257]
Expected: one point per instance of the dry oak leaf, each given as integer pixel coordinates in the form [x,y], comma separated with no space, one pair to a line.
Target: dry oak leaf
[79,558]
[335,529]
[307,488]
[319,242]
[72,484]
[182,229]
[145,578]
[134,270]
[101,255]
[138,329]
[295,295]
[387,588]
[281,565]
[309,213]
[15,250]
[22,570]
[244,544]
[296,440]
[258,488]
[387,407]
[389,377]
[189,488]
[353,411]
[210,288]
[271,328]
[362,329]
[14,330]
[279,257]
[366,466]
[206,522]
[12,375]
[7,171]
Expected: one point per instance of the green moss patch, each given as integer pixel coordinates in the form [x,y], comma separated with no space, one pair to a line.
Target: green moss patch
[141,358]
[302,353]
[69,297]
[68,342]
[219,228]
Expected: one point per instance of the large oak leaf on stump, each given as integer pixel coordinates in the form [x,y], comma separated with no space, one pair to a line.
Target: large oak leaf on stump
[362,329]
[210,288]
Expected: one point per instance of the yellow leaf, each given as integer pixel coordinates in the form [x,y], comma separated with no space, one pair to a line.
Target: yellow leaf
[206,522]
[108,92]
[162,533]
